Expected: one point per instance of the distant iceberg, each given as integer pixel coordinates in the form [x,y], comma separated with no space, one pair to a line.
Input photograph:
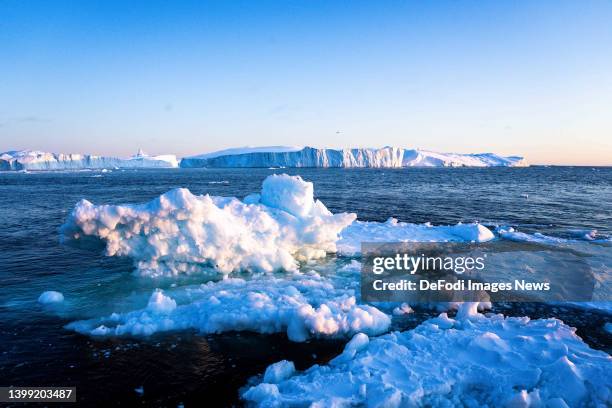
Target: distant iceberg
[38,160]
[386,157]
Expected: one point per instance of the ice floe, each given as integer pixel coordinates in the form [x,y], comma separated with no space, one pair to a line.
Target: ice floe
[394,231]
[302,305]
[471,360]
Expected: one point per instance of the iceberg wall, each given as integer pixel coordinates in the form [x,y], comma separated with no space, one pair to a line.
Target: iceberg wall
[37,160]
[386,157]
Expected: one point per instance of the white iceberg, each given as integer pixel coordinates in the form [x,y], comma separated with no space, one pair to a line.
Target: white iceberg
[38,160]
[472,360]
[182,233]
[386,157]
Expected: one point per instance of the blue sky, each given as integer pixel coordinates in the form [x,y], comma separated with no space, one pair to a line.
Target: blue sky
[528,78]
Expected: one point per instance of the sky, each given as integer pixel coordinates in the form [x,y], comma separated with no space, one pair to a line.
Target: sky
[529,78]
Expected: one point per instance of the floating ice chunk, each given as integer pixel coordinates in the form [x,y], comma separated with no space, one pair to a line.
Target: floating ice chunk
[302,305]
[586,235]
[402,309]
[514,361]
[357,343]
[512,235]
[395,231]
[263,392]
[278,372]
[160,303]
[181,233]
[468,310]
[50,296]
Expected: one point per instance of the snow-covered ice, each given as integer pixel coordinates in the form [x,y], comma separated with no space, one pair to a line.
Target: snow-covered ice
[471,360]
[51,296]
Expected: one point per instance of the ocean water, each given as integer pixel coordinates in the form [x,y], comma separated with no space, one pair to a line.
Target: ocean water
[562,202]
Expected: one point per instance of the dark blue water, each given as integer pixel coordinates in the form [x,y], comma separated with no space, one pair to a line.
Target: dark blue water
[185,367]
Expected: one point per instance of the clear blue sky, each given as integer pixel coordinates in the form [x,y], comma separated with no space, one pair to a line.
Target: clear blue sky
[530,77]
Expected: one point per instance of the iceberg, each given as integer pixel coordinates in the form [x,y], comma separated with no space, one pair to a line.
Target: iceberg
[38,160]
[180,232]
[471,360]
[386,157]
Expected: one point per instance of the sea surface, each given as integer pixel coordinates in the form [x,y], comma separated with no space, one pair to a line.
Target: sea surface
[189,368]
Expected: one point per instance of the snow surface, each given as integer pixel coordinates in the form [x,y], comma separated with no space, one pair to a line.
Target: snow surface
[51,296]
[38,160]
[386,157]
[471,360]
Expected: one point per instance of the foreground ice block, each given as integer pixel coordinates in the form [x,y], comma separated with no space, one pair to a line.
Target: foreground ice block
[472,360]
[180,232]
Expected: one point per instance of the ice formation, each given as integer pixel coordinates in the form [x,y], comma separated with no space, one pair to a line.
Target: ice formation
[471,360]
[180,232]
[37,160]
[393,157]
[278,372]
[394,231]
[50,296]
[302,305]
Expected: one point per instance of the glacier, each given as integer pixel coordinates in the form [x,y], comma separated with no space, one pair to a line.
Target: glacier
[386,157]
[38,160]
